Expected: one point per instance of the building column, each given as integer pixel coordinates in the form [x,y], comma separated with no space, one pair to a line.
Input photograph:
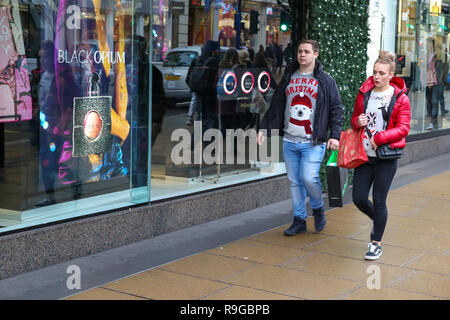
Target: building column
[261,38]
[139,25]
[375,26]
[183,25]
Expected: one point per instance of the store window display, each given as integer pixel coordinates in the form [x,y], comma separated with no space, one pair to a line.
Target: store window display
[422,47]
[220,38]
[15,83]
[86,103]
[441,69]
[78,102]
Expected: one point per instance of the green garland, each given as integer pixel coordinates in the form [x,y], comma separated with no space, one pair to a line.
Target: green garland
[341,29]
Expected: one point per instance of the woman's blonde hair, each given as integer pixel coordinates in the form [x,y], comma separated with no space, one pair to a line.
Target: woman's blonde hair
[387,57]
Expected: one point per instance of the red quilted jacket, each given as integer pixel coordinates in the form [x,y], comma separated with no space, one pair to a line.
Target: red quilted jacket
[399,122]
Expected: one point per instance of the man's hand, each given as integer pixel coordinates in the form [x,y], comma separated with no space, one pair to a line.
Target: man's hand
[333,144]
[260,139]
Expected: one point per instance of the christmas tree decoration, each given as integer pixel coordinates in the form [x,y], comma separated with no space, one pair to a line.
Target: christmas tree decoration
[342,31]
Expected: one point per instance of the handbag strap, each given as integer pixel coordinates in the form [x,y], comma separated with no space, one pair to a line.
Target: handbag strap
[387,114]
[368,132]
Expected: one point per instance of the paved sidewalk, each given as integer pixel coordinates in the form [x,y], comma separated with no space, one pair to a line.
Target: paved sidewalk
[329,265]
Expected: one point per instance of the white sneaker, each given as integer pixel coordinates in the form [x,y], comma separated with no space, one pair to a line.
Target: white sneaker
[430,127]
[374,252]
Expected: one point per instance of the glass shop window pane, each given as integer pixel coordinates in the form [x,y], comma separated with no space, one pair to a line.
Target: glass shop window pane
[204,140]
[74,122]
[422,49]
[179,58]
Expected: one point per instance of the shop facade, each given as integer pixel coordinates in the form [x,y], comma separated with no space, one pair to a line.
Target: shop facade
[417,31]
[99,145]
[90,122]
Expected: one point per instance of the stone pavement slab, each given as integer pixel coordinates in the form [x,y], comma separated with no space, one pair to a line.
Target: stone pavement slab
[327,265]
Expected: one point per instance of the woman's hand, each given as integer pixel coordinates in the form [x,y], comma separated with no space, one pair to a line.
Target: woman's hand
[362,120]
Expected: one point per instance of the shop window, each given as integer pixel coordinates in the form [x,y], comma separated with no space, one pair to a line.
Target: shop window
[422,48]
[75,108]
[237,94]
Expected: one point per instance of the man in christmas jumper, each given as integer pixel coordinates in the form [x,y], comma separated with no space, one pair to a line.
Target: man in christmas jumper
[307,107]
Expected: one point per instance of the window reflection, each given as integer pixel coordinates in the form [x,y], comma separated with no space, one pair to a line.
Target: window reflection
[216,82]
[81,70]
[422,47]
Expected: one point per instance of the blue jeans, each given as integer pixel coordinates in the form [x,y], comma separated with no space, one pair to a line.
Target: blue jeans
[192,105]
[302,167]
[439,98]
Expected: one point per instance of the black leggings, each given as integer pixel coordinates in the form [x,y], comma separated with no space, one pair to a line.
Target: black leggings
[380,173]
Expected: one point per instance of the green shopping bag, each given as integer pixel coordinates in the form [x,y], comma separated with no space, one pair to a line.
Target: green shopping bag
[337,180]
[332,161]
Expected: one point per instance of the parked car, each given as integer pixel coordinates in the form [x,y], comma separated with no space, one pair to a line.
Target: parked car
[175,68]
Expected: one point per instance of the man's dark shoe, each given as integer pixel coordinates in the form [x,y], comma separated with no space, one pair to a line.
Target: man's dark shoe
[319,219]
[297,226]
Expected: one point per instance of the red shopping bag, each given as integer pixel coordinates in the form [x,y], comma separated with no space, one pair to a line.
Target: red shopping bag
[351,152]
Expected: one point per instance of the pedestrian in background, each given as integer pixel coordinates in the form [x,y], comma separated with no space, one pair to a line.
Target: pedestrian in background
[244,57]
[260,60]
[279,58]
[202,79]
[288,53]
[251,52]
[376,94]
[193,104]
[441,66]
[270,56]
[305,105]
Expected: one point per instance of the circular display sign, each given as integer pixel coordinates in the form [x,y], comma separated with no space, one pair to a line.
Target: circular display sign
[92,125]
[263,81]
[247,82]
[229,83]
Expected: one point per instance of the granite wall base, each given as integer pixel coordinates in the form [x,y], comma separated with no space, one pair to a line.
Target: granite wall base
[29,250]
[419,150]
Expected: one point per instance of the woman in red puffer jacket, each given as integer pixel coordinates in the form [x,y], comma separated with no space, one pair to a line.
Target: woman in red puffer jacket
[376,94]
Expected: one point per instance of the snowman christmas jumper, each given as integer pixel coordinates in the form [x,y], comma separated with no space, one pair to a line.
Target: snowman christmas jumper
[301,96]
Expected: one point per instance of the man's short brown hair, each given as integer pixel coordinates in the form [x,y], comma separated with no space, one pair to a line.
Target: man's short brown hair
[313,43]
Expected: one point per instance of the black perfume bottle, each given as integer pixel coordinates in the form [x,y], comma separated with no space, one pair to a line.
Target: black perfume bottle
[92,121]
